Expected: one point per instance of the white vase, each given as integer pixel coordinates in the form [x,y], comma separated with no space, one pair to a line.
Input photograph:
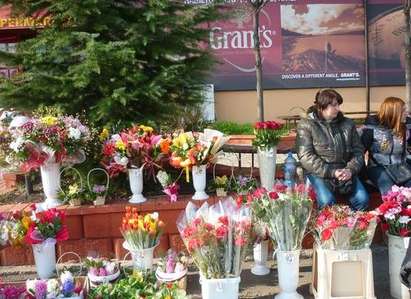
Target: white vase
[266,164]
[142,258]
[225,288]
[50,178]
[288,264]
[397,248]
[135,176]
[260,252]
[45,258]
[199,182]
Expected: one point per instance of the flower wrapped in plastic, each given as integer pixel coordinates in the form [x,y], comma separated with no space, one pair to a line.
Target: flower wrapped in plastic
[216,237]
[286,213]
[340,228]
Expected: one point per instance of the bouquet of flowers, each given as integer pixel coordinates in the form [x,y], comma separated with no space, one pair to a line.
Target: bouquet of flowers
[285,212]
[216,237]
[395,211]
[13,228]
[194,149]
[170,187]
[12,292]
[65,287]
[268,134]
[141,232]
[339,227]
[134,148]
[39,140]
[172,266]
[46,226]
[101,270]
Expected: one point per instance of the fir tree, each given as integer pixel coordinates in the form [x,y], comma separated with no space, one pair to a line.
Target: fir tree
[120,61]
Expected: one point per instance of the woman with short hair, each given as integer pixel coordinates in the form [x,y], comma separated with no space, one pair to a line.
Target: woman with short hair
[331,152]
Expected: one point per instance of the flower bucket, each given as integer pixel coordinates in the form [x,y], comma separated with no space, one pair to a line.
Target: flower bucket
[136,185]
[260,253]
[142,258]
[224,288]
[288,263]
[100,200]
[75,202]
[199,182]
[267,162]
[50,178]
[45,258]
[397,248]
[179,278]
[94,279]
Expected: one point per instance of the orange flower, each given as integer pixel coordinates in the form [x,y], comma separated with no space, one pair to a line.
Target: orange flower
[165,145]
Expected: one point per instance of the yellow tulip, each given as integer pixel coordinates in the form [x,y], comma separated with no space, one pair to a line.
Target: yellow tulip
[26,221]
[146,129]
[103,135]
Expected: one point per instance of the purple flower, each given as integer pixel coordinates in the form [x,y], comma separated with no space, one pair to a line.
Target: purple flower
[11,292]
[40,289]
[99,189]
[68,288]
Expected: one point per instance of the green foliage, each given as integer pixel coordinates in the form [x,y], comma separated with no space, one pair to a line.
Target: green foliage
[232,128]
[119,61]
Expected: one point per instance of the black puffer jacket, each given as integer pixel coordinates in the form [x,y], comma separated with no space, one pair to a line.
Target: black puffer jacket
[325,146]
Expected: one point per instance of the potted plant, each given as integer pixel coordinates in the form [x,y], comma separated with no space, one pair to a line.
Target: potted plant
[196,151]
[101,270]
[44,231]
[286,213]
[221,185]
[267,136]
[133,150]
[217,237]
[46,142]
[243,185]
[142,235]
[395,215]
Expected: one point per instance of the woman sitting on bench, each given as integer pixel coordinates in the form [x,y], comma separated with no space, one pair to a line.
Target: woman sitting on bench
[385,137]
[331,152]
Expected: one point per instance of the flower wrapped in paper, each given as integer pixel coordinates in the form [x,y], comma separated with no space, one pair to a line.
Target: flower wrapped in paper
[340,228]
[216,237]
[286,212]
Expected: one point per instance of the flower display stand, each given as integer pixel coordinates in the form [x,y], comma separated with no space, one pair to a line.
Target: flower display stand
[343,274]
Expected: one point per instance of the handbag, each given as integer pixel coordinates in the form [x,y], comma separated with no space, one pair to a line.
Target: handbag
[341,187]
[399,173]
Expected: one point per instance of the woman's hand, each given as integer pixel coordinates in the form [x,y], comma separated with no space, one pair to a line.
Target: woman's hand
[343,174]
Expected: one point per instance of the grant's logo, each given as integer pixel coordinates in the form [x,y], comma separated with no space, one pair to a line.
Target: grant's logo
[242,38]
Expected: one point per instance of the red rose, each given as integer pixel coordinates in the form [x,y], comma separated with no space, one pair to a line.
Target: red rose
[404,232]
[273,195]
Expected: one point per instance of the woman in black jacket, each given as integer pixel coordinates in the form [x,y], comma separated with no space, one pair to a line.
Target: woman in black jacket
[385,136]
[331,152]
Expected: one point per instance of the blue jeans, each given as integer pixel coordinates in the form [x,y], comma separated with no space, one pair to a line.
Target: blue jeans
[382,180]
[358,199]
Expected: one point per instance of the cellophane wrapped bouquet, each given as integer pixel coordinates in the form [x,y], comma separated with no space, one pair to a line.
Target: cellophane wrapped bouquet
[340,228]
[285,211]
[216,237]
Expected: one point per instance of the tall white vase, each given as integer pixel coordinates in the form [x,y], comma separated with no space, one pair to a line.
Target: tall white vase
[50,178]
[288,264]
[142,258]
[199,182]
[397,248]
[266,164]
[260,252]
[135,176]
[45,258]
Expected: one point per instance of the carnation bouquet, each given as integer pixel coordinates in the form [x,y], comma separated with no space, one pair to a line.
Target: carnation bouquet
[268,134]
[339,227]
[141,231]
[395,211]
[135,147]
[39,140]
[216,237]
[285,212]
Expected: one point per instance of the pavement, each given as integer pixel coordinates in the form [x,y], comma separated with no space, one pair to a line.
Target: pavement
[251,286]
